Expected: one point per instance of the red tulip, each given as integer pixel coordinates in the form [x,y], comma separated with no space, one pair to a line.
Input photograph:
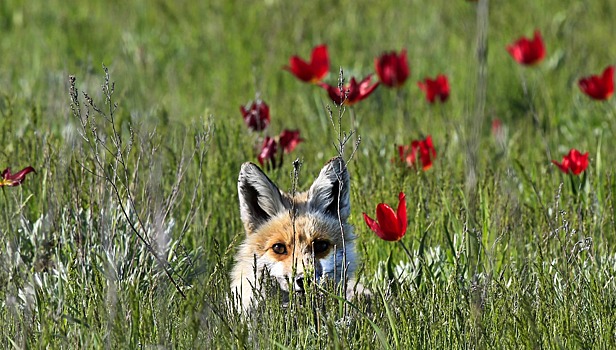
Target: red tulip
[269,149]
[433,88]
[574,162]
[392,69]
[391,226]
[352,92]
[599,87]
[257,116]
[314,71]
[419,149]
[16,179]
[289,139]
[526,51]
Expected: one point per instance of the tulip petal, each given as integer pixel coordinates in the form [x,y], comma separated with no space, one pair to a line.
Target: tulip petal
[319,62]
[16,179]
[562,167]
[388,222]
[6,173]
[334,93]
[401,213]
[365,89]
[374,226]
[289,139]
[300,69]
[20,176]
[268,152]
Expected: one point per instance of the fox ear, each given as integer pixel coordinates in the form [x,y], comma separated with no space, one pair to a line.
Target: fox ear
[329,194]
[260,199]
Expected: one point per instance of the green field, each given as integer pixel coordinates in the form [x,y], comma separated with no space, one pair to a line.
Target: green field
[125,236]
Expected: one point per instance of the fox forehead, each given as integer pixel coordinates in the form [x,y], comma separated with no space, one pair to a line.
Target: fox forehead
[299,232]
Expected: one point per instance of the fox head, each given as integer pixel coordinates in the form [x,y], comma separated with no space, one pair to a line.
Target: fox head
[289,238]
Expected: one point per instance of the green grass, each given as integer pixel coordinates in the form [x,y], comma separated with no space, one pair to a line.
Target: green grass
[521,260]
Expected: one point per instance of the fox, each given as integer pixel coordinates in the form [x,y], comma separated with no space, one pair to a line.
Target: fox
[290,238]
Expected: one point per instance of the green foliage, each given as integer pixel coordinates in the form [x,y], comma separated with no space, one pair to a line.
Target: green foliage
[134,206]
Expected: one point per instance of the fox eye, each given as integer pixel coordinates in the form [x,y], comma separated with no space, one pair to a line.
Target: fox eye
[279,248]
[320,246]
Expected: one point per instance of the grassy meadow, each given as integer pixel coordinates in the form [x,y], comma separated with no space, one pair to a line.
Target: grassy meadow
[125,236]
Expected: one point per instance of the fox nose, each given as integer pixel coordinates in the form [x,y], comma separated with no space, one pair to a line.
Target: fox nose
[299,283]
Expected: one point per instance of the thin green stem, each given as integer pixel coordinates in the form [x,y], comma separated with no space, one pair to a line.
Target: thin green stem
[407,251]
[6,211]
[534,115]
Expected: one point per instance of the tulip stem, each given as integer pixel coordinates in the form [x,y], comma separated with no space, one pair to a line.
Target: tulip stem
[407,251]
[407,116]
[353,122]
[608,110]
[534,114]
[6,211]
